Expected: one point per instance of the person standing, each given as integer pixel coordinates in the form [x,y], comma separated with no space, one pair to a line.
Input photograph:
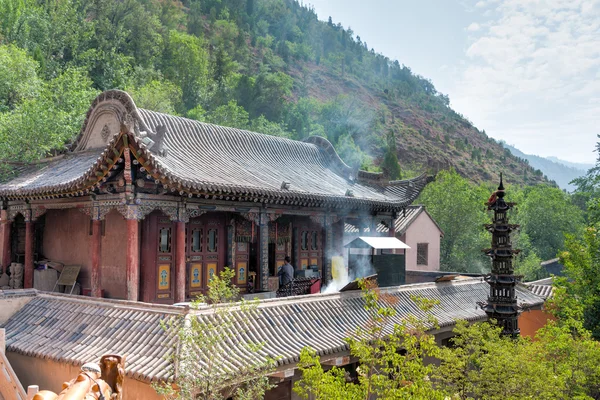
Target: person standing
[286,272]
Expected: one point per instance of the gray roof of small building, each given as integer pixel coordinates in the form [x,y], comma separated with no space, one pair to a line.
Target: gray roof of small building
[404,220]
[542,287]
[195,157]
[75,329]
[552,261]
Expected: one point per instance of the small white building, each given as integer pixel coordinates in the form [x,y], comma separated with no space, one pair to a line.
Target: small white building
[415,227]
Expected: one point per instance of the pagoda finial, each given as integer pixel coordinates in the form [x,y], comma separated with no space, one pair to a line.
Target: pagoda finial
[500,191]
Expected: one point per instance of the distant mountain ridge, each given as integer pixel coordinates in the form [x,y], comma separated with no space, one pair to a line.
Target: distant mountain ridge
[582,166]
[560,171]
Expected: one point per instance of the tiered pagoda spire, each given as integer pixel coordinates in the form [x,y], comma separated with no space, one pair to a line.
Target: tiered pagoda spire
[502,301]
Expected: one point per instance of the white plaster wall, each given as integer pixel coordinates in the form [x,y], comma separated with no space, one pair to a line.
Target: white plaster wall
[422,230]
[10,305]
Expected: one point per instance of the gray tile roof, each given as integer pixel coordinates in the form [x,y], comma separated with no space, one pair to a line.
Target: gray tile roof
[544,291]
[61,172]
[542,287]
[76,330]
[407,217]
[195,157]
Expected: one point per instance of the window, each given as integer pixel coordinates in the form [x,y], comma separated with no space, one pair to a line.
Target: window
[197,241]
[164,245]
[314,244]
[212,241]
[422,253]
[304,240]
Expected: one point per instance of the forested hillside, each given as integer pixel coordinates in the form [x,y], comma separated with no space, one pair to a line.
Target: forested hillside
[264,65]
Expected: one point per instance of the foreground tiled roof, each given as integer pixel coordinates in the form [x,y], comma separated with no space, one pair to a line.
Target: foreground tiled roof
[198,158]
[75,330]
[407,217]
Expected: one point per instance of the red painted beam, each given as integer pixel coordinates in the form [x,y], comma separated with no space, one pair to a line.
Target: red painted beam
[28,273]
[133,260]
[96,241]
[180,262]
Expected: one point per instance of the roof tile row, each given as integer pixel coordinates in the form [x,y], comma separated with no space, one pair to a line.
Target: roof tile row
[74,330]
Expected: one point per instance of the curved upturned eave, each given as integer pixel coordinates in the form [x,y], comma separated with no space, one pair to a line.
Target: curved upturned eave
[74,187]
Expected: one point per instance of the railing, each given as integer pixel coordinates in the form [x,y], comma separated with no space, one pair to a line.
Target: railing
[297,286]
[10,386]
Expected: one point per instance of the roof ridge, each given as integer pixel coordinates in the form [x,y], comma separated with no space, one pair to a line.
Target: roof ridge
[358,293]
[115,303]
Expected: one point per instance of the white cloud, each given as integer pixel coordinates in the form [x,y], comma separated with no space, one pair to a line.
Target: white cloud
[532,61]
[473,27]
[485,3]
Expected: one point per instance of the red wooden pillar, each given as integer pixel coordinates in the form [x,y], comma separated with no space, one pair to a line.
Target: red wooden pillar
[6,231]
[133,259]
[95,251]
[28,273]
[180,262]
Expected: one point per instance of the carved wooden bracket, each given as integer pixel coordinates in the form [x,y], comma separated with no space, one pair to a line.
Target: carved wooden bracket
[193,213]
[324,220]
[273,217]
[24,210]
[37,212]
[252,217]
[137,212]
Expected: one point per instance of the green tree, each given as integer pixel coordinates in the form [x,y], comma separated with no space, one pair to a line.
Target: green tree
[481,364]
[49,121]
[390,164]
[581,259]
[270,93]
[186,64]
[546,214]
[19,80]
[200,350]
[230,115]
[162,96]
[458,207]
[531,268]
[263,125]
[391,357]
[587,194]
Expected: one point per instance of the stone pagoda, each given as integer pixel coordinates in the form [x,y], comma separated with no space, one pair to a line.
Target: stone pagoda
[502,302]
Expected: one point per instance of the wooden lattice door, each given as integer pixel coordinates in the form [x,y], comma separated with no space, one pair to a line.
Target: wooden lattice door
[310,244]
[165,258]
[205,252]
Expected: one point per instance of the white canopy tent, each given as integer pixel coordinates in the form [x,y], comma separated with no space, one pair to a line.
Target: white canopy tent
[377,243]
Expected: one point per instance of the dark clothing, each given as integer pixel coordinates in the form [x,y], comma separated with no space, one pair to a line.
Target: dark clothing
[286,274]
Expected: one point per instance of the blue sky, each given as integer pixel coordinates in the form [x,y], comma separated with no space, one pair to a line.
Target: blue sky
[526,71]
